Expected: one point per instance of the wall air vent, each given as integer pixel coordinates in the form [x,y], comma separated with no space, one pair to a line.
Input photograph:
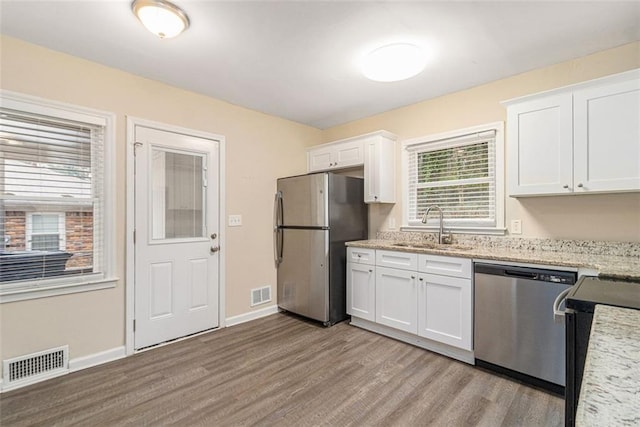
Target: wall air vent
[260,295]
[31,368]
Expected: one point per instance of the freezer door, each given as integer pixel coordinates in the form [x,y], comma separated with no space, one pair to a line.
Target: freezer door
[303,273]
[304,201]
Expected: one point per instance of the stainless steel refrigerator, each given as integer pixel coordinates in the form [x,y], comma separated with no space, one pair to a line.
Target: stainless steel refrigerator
[314,215]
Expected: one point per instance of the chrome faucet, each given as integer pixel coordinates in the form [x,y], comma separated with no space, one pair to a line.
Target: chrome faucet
[442,238]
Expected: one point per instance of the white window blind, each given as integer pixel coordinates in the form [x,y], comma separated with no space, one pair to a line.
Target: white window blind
[459,175]
[51,197]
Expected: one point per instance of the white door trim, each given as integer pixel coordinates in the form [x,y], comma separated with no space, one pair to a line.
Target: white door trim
[130,220]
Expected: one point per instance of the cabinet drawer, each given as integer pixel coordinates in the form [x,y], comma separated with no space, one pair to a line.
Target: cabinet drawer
[401,260]
[445,265]
[361,255]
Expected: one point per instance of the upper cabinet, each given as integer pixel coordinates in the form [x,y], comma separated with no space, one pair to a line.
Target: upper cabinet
[577,140]
[335,156]
[375,151]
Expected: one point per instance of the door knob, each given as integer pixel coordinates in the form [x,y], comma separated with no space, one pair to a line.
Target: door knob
[215,249]
[213,236]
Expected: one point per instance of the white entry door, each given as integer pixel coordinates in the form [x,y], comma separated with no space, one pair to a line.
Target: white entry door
[176,235]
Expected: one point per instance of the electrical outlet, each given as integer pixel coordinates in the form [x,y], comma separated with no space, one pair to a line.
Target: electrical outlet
[235,220]
[516,226]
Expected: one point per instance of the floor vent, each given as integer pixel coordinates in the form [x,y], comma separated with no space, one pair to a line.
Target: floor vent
[260,295]
[35,367]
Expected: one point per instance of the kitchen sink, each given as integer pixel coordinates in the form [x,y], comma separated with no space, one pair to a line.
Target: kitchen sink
[443,247]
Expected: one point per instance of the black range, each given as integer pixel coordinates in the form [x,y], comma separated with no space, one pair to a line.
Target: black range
[581,302]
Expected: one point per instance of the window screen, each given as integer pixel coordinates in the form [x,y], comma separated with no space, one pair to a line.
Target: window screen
[51,199]
[459,175]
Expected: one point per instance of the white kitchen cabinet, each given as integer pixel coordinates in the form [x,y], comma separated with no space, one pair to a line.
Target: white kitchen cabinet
[361,276]
[606,137]
[581,139]
[396,296]
[361,290]
[445,310]
[445,265]
[539,134]
[375,151]
[380,169]
[336,155]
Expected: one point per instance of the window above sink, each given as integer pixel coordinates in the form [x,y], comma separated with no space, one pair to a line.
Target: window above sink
[462,172]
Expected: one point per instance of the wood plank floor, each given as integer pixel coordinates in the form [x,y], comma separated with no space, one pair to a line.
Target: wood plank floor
[284,371]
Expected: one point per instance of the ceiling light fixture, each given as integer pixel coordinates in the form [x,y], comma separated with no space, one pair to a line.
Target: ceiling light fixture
[162,18]
[394,62]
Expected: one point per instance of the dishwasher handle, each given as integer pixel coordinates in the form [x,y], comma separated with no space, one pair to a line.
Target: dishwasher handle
[558,315]
[521,274]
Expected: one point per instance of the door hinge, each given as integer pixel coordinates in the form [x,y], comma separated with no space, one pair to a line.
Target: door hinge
[134,325]
[134,237]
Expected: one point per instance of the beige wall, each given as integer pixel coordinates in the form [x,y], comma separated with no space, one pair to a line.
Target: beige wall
[259,148]
[614,217]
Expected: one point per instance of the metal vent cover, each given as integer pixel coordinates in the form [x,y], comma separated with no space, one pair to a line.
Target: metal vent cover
[34,367]
[260,295]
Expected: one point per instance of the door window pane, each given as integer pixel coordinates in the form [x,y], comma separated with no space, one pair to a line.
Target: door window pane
[177,185]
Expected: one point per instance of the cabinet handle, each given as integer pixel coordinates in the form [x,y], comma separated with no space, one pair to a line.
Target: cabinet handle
[580,185]
[421,279]
[359,255]
[413,277]
[370,271]
[335,164]
[565,186]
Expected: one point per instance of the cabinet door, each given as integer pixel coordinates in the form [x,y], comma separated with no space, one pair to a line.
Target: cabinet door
[379,170]
[319,159]
[361,291]
[540,139]
[361,255]
[348,154]
[445,310]
[396,304]
[607,137]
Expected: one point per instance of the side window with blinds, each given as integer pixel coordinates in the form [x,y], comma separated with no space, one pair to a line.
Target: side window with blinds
[459,174]
[51,196]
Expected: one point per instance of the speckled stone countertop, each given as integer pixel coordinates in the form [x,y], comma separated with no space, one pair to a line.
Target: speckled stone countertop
[610,392]
[616,260]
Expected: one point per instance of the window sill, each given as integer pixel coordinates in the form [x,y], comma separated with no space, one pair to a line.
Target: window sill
[458,230]
[33,290]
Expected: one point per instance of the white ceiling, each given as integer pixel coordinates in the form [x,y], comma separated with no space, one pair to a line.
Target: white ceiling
[297,60]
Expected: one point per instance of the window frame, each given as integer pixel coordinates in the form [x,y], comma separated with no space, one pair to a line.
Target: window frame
[106,278]
[61,231]
[440,141]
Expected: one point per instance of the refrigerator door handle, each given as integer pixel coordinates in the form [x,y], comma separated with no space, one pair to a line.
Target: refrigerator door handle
[277,232]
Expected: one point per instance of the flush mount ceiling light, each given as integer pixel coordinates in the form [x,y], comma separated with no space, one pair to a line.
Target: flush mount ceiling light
[162,18]
[394,62]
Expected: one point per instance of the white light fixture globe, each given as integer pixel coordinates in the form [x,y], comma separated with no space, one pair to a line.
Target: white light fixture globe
[394,62]
[162,18]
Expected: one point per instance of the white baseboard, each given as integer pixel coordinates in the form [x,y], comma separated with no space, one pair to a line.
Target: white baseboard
[252,315]
[95,359]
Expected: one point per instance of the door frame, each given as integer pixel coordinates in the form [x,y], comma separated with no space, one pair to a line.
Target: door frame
[131,123]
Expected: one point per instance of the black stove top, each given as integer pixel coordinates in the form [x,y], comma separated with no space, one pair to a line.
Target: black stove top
[590,291]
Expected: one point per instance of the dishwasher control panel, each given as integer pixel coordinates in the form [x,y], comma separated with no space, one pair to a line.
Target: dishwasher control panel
[553,278]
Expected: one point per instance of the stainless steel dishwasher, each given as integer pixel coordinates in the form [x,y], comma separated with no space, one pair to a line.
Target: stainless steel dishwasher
[519,329]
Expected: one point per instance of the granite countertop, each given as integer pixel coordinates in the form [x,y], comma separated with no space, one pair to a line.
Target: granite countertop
[623,266]
[610,392]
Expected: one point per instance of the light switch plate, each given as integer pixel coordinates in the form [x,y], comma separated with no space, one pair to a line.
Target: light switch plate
[235,220]
[392,223]
[516,226]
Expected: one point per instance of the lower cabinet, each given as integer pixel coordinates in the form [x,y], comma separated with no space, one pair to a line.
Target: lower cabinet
[434,308]
[396,294]
[444,310]
[361,291]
